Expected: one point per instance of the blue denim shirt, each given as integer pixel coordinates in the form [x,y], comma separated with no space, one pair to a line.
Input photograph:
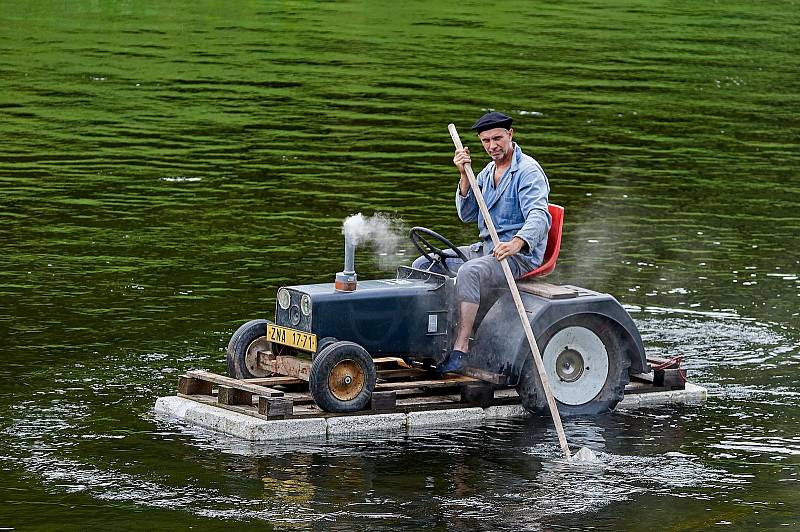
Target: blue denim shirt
[518,206]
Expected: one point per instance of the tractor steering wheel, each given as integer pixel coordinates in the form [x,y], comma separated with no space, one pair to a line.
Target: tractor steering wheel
[433,253]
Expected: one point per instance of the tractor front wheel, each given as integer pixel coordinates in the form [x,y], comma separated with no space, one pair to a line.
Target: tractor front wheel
[325,342]
[243,350]
[342,377]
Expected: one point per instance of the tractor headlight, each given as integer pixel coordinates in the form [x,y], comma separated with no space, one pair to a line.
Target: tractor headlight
[283,298]
[305,304]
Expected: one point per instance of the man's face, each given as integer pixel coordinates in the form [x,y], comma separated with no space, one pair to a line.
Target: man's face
[497,142]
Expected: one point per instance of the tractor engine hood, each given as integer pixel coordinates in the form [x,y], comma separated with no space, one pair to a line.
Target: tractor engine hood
[387,316]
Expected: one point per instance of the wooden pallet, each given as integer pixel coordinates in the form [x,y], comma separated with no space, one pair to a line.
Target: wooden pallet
[400,388]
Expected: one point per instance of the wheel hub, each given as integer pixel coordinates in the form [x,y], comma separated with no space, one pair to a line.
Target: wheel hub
[569,365]
[346,380]
[576,362]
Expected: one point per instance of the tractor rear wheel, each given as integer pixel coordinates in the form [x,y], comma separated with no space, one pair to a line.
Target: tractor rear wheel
[586,364]
[243,349]
[342,377]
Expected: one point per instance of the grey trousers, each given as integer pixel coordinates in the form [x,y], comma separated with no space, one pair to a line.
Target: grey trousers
[480,275]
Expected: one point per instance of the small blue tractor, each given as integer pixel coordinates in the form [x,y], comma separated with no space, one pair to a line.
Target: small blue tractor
[330,334]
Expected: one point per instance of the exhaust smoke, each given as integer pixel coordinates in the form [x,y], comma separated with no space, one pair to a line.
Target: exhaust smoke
[384,233]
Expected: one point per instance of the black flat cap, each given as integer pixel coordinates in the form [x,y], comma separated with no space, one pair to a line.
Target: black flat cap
[491,121]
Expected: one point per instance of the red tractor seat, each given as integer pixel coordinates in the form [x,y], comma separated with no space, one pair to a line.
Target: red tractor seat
[553,244]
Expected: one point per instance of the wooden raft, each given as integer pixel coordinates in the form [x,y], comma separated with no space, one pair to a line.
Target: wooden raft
[399,388]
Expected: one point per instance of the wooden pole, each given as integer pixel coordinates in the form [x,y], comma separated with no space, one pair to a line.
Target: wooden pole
[512,285]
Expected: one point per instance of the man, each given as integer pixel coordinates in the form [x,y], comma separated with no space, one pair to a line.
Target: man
[515,189]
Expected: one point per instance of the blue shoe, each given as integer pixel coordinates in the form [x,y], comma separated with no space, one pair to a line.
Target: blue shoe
[454,362]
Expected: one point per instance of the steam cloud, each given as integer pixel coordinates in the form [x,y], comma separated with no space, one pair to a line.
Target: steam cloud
[387,236]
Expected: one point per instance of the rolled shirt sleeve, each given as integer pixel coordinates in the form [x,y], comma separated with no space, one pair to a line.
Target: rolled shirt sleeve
[466,206]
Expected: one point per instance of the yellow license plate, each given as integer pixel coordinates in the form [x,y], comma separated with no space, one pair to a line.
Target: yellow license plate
[292,337]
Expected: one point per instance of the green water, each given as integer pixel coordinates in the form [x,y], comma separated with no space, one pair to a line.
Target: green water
[165,166]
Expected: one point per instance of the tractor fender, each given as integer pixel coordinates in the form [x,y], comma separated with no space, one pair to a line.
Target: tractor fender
[500,344]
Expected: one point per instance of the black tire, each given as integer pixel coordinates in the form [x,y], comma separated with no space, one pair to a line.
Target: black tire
[243,350]
[325,342]
[574,395]
[342,377]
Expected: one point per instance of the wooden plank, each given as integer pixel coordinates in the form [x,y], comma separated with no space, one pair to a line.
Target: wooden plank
[289,366]
[383,401]
[207,399]
[190,386]
[400,373]
[416,404]
[419,404]
[234,383]
[487,376]
[300,398]
[294,370]
[438,383]
[643,377]
[212,401]
[274,381]
[381,361]
[547,290]
[233,396]
[301,369]
[275,407]
[304,412]
[660,361]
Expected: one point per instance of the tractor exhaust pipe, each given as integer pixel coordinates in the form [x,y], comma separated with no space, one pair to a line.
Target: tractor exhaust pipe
[346,281]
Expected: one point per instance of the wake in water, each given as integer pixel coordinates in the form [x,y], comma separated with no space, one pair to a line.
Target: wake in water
[516,501]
